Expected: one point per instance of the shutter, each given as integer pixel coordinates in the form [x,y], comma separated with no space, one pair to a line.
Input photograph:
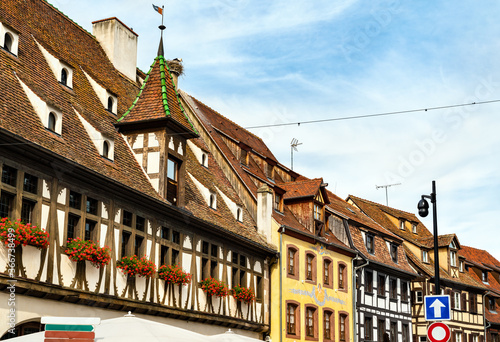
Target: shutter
[413,296]
[453,336]
[481,338]
[433,289]
[464,302]
[415,338]
[464,337]
[452,298]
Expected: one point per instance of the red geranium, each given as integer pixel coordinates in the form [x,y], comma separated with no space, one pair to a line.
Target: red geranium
[214,287]
[22,234]
[135,266]
[174,274]
[243,294]
[78,249]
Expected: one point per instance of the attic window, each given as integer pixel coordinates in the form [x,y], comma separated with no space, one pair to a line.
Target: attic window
[204,159]
[239,214]
[370,243]
[9,39]
[425,256]
[317,212]
[414,228]
[461,266]
[402,224]
[277,202]
[394,252]
[213,200]
[111,103]
[453,258]
[484,277]
[64,76]
[105,149]
[52,122]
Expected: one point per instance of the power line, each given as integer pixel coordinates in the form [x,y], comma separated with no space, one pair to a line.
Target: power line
[298,123]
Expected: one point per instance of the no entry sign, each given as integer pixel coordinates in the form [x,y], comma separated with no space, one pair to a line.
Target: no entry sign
[438,332]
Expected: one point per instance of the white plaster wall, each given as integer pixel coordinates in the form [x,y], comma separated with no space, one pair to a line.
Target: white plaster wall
[56,66]
[186,262]
[153,162]
[140,285]
[96,136]
[150,227]
[233,207]
[205,192]
[60,226]
[180,150]
[92,275]
[139,141]
[45,216]
[3,256]
[45,190]
[118,215]
[104,232]
[121,280]
[102,93]
[68,269]
[104,211]
[152,141]
[61,198]
[138,157]
[31,260]
[149,246]
[258,267]
[198,152]
[155,183]
[117,242]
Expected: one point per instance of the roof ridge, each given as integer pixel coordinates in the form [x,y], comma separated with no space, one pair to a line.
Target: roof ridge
[231,121]
[381,205]
[68,18]
[301,181]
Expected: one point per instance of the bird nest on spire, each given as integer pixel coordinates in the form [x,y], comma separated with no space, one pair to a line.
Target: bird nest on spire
[175,65]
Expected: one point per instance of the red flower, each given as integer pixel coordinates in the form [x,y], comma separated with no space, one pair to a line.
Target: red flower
[135,266]
[24,234]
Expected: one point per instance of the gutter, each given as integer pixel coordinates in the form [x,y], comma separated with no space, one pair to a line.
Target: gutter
[282,230]
[355,292]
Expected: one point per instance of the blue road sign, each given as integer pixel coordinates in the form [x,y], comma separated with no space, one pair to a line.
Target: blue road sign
[437,308]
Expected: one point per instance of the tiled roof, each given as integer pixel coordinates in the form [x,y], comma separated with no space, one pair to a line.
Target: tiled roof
[302,188]
[443,240]
[483,261]
[464,278]
[214,179]
[37,21]
[157,99]
[379,212]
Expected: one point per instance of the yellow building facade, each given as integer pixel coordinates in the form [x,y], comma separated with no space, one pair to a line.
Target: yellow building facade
[312,289]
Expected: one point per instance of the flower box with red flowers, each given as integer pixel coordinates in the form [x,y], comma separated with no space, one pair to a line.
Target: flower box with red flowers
[243,294]
[134,265]
[78,250]
[24,234]
[214,287]
[173,274]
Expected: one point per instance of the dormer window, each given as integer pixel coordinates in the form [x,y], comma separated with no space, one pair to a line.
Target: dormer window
[277,202]
[317,212]
[213,200]
[453,258]
[370,243]
[402,224]
[9,39]
[414,228]
[461,266]
[111,103]
[64,77]
[425,257]
[394,252]
[484,277]
[52,122]
[105,149]
[204,159]
[239,214]
[172,180]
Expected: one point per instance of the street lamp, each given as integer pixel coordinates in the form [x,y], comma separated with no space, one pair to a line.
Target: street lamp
[423,210]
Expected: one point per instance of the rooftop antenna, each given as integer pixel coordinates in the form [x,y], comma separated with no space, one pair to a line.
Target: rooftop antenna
[293,147]
[386,186]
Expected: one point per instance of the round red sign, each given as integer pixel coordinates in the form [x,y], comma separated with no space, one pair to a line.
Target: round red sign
[438,332]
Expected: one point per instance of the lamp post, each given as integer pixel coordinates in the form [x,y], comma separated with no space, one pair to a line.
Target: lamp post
[423,210]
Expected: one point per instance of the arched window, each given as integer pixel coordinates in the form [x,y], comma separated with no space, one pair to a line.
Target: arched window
[64,76]
[110,104]
[8,42]
[52,122]
[213,202]
[203,159]
[238,215]
[105,149]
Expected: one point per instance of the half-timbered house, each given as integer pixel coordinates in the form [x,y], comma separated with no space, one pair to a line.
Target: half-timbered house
[466,293]
[91,148]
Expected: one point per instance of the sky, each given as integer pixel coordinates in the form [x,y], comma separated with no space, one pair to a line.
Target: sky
[283,62]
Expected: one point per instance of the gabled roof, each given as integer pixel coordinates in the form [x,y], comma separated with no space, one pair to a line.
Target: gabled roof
[443,241]
[379,213]
[307,188]
[482,260]
[157,101]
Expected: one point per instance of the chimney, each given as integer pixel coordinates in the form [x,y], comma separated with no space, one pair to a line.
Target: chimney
[120,44]
[176,69]
[264,211]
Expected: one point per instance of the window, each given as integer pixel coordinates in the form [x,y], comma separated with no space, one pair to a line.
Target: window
[110,104]
[6,206]
[342,277]
[328,325]
[414,228]
[494,337]
[239,215]
[176,237]
[461,265]
[456,300]
[204,160]
[368,281]
[259,291]
[370,247]
[292,319]
[394,331]
[172,181]
[419,296]
[343,326]
[404,291]
[422,339]
[7,45]
[64,76]
[52,122]
[138,245]
[72,226]
[90,231]
[453,258]
[484,276]
[406,333]
[458,336]
[311,322]
[293,263]
[27,208]
[491,304]
[125,243]
[310,267]
[381,285]
[402,224]
[425,257]
[243,156]
[165,233]
[213,200]
[368,328]
[75,200]
[105,149]
[381,330]
[277,202]
[30,183]
[473,302]
[327,272]
[9,175]
[317,212]
[394,252]
[393,287]
[91,206]
[127,218]
[140,223]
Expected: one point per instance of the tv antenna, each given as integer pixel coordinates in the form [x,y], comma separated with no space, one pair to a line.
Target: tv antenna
[386,186]
[293,147]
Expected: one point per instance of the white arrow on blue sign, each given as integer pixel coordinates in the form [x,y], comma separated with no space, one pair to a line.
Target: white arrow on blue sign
[437,308]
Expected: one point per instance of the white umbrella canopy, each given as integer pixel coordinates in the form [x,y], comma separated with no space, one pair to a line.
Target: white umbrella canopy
[230,336]
[130,329]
